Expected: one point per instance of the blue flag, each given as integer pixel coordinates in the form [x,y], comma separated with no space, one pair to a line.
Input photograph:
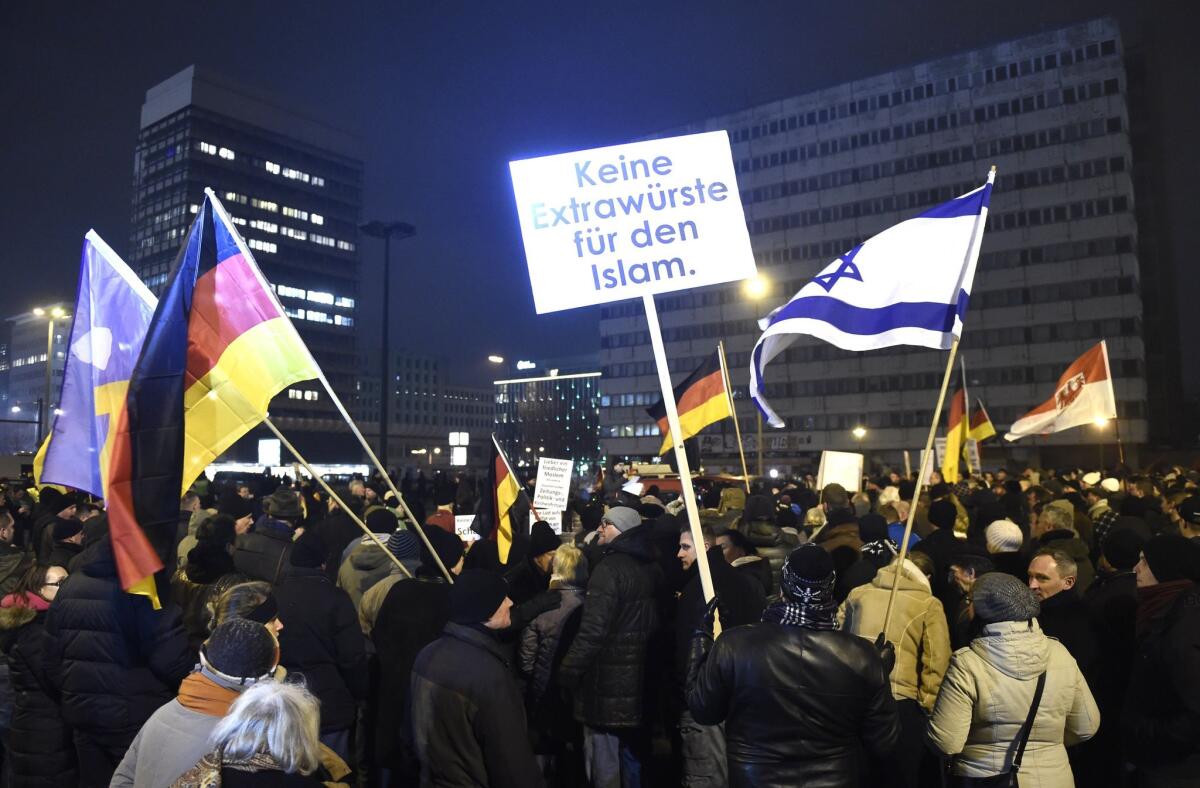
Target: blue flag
[112,313]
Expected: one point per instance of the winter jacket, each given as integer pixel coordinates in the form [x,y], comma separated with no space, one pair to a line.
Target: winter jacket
[1065,618]
[193,597]
[411,617]
[366,565]
[757,569]
[62,553]
[799,705]
[112,656]
[918,630]
[1161,725]
[373,599]
[525,581]
[262,553]
[338,532]
[468,719]
[13,563]
[740,601]
[543,645]
[170,743]
[606,663]
[322,641]
[985,699]
[40,751]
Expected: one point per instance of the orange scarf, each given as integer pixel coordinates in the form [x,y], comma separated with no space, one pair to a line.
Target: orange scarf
[201,694]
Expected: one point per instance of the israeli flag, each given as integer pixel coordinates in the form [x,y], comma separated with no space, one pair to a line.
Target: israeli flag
[909,285]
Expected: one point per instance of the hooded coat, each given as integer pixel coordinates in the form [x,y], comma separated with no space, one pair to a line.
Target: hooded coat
[40,753]
[985,699]
[262,554]
[918,630]
[606,663]
[366,565]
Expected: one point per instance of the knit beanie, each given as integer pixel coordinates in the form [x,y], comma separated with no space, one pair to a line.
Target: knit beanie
[208,561]
[1001,597]
[219,529]
[943,514]
[872,527]
[403,544]
[1122,548]
[448,547]
[808,565]
[1171,557]
[381,521]
[283,504]
[309,551]
[542,539]
[476,595]
[241,649]
[1004,536]
[623,518]
[65,528]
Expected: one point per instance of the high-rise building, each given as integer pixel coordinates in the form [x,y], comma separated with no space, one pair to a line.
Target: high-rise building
[552,410]
[1060,267]
[293,186]
[27,343]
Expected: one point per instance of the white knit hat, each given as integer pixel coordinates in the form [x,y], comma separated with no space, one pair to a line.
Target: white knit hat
[1091,479]
[1111,484]
[1004,536]
[889,494]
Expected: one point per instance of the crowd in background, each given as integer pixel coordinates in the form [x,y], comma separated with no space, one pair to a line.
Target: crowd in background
[1047,619]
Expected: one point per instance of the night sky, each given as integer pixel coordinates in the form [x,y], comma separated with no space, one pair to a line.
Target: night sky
[444,94]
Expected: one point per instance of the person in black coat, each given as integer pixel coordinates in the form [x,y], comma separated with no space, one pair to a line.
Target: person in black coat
[262,553]
[606,663]
[114,659]
[411,617]
[322,641]
[339,530]
[468,716]
[1064,616]
[39,748]
[531,576]
[799,698]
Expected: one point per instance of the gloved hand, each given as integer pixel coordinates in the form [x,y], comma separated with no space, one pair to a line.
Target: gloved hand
[710,615]
[887,653]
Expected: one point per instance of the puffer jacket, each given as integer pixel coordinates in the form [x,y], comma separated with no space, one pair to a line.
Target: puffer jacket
[263,553]
[799,705]
[539,651]
[918,630]
[366,565]
[112,656]
[607,660]
[985,698]
[40,749]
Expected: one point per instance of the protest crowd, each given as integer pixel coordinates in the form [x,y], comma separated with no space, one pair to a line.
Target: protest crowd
[1051,617]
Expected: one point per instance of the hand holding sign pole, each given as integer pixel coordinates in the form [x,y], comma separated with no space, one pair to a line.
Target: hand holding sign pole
[631,221]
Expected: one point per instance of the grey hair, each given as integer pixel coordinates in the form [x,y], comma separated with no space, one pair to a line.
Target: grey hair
[282,720]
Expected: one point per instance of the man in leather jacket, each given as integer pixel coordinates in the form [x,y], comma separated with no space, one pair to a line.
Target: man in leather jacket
[800,700]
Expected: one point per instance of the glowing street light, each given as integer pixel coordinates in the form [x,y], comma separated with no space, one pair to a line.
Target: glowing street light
[756,286]
[496,359]
[859,432]
[1100,422]
[16,408]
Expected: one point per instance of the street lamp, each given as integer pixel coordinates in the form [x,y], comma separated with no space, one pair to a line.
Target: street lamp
[53,313]
[859,432]
[387,231]
[496,359]
[755,288]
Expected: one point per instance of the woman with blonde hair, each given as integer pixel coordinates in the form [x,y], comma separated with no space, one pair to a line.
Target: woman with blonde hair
[269,738]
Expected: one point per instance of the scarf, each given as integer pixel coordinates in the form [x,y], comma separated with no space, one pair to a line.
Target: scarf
[1153,602]
[806,603]
[201,694]
[29,600]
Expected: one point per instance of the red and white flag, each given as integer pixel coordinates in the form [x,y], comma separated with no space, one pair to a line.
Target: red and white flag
[1083,395]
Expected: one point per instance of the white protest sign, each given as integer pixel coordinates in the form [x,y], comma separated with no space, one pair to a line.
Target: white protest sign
[974,461]
[840,467]
[621,222]
[926,467]
[462,527]
[553,485]
[939,446]
[553,519]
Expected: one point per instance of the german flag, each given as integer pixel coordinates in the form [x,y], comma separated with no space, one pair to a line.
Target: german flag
[500,518]
[981,426]
[701,399]
[956,435]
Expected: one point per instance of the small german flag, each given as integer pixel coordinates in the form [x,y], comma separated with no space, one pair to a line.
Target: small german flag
[956,435]
[981,426]
[497,520]
[702,399]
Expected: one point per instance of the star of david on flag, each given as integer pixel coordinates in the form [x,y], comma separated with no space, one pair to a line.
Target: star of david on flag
[908,285]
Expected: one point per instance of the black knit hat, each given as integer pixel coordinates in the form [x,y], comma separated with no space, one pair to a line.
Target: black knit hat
[241,649]
[220,529]
[542,539]
[1172,557]
[943,514]
[208,561]
[448,547]
[1122,548]
[475,596]
[283,504]
[309,551]
[381,521]
[65,528]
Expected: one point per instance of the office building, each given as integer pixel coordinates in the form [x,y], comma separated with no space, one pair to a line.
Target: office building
[293,186]
[552,410]
[1060,267]
[28,340]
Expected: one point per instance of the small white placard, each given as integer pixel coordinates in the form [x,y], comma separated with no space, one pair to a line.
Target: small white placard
[648,217]
[553,488]
[840,467]
[553,519]
[268,451]
[462,527]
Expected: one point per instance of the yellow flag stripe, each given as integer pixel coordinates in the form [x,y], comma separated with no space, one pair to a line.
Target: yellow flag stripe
[710,411]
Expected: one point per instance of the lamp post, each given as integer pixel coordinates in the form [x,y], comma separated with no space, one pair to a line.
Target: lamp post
[1100,423]
[756,288]
[859,432]
[387,231]
[54,313]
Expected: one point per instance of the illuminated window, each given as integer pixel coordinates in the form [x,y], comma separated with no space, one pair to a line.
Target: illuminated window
[291,292]
[226,153]
[317,317]
[323,240]
[271,167]
[238,220]
[266,227]
[318,297]
[342,320]
[318,219]
[295,213]
[235,197]
[265,205]
[263,246]
[344,302]
[299,235]
[208,148]
[318,181]
[194,208]
[345,246]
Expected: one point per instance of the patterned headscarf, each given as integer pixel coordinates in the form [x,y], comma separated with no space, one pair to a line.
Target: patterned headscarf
[807,582]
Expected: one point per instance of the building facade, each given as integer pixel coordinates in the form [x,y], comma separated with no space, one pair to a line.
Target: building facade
[293,187]
[818,173]
[555,415]
[29,340]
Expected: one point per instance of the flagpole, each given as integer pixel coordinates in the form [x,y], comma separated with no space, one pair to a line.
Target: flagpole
[516,478]
[912,509]
[964,450]
[733,411]
[334,496]
[685,472]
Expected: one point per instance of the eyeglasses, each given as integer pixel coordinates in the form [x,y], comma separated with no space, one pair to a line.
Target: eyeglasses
[56,583]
